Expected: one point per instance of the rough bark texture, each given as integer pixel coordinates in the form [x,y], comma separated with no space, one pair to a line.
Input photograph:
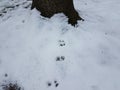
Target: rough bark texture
[50,7]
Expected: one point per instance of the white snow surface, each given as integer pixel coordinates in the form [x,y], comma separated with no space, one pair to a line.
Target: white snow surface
[30,44]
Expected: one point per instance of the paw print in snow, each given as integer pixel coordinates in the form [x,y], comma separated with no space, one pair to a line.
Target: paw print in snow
[6,75]
[61,43]
[60,58]
[49,84]
[55,83]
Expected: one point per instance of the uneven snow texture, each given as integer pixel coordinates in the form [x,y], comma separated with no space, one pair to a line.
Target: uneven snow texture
[48,54]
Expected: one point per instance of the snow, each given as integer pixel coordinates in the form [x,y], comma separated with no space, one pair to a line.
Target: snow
[30,45]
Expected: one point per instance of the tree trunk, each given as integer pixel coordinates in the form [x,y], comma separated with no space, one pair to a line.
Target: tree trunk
[50,7]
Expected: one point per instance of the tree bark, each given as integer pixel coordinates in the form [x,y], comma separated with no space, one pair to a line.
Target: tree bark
[50,7]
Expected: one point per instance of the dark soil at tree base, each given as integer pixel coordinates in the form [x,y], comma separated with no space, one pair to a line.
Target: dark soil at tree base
[50,7]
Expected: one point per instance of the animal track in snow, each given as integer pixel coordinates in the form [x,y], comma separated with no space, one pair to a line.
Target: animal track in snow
[6,75]
[61,43]
[49,84]
[60,58]
[55,83]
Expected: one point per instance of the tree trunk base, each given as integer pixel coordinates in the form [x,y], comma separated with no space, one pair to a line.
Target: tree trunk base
[50,7]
